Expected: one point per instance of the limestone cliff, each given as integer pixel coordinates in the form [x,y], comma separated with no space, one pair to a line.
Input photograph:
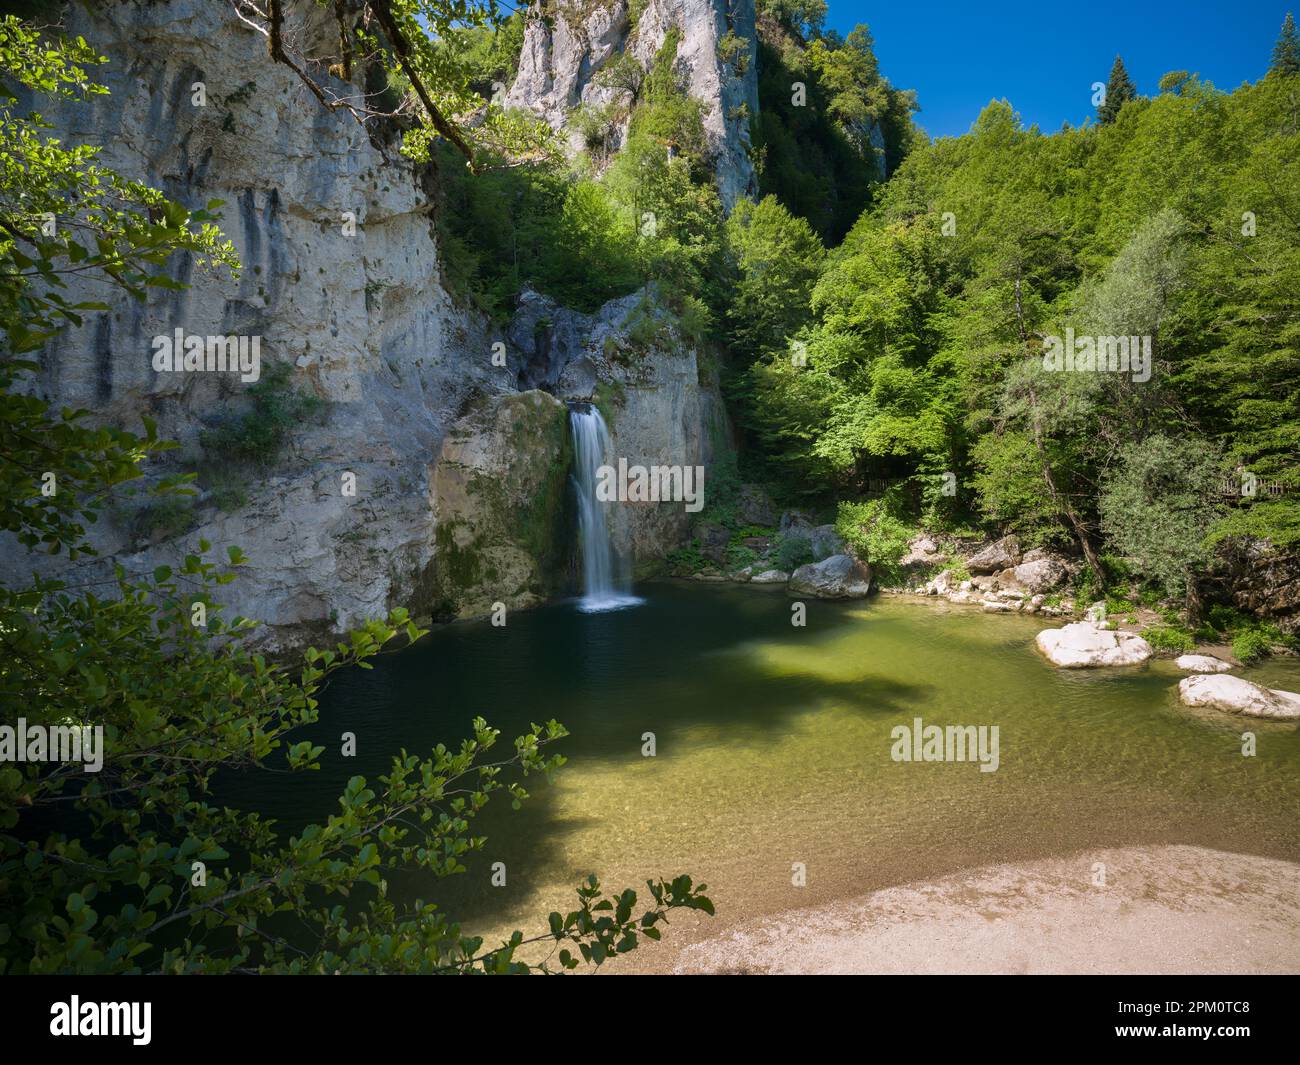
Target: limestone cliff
[565,51]
[447,448]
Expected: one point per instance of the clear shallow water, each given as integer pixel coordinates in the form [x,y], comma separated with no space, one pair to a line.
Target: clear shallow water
[774,747]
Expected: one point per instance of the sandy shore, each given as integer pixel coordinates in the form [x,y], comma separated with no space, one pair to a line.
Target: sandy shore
[1169,909]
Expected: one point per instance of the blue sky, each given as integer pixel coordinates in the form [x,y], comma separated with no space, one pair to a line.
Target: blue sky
[1043,57]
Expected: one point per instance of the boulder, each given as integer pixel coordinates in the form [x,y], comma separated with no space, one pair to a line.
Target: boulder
[939,584]
[754,506]
[921,551]
[1084,645]
[713,539]
[1000,555]
[770,576]
[795,521]
[1238,696]
[825,541]
[1040,575]
[837,577]
[1202,664]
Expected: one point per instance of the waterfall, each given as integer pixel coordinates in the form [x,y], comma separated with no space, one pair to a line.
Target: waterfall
[603,587]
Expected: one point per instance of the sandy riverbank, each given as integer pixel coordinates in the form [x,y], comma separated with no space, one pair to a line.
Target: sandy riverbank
[1167,909]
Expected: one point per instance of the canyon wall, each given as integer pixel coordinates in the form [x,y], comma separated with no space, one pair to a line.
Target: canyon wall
[446,447]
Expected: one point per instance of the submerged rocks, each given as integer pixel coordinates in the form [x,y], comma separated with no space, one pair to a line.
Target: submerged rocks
[1237,696]
[1084,645]
[1003,554]
[1202,664]
[836,577]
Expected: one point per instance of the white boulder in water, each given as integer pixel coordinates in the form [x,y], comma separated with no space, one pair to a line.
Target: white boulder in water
[1202,664]
[1083,645]
[1238,696]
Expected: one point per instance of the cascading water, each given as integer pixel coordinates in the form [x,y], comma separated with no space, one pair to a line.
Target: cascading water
[603,587]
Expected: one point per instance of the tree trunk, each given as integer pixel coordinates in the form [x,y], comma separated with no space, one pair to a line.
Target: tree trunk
[1192,600]
[1075,522]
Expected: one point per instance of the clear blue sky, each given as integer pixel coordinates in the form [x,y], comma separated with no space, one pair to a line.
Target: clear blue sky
[1044,56]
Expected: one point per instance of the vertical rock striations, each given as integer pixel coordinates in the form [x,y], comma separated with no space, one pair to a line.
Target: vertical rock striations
[566,49]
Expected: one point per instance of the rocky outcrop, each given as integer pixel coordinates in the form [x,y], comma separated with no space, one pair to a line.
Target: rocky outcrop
[1000,555]
[1039,576]
[1237,696]
[501,507]
[359,317]
[1202,664]
[1264,581]
[836,577]
[1084,645]
[566,51]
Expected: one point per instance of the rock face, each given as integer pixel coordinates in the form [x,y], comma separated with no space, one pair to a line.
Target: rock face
[1265,581]
[837,577]
[1237,696]
[1084,645]
[501,508]
[1202,664]
[565,53]
[1003,554]
[414,408]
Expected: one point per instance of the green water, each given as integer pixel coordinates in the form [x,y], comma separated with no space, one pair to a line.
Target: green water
[773,747]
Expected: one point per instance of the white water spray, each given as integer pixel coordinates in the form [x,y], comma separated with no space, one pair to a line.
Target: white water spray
[603,587]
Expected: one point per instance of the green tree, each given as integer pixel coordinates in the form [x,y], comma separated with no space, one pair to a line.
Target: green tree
[1119,91]
[778,257]
[1157,506]
[1286,53]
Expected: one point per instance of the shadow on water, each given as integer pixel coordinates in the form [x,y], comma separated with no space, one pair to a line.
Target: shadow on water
[773,740]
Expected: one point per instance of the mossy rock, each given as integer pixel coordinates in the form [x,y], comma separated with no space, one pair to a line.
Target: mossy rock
[503,523]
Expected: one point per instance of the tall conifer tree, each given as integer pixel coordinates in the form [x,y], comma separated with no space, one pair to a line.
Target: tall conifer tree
[1119,90]
[1286,53]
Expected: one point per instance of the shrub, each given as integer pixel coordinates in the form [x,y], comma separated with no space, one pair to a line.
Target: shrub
[792,551]
[687,558]
[258,436]
[875,534]
[739,556]
[1169,638]
[1255,640]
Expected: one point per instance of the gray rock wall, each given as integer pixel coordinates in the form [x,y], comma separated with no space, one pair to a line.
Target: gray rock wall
[564,53]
